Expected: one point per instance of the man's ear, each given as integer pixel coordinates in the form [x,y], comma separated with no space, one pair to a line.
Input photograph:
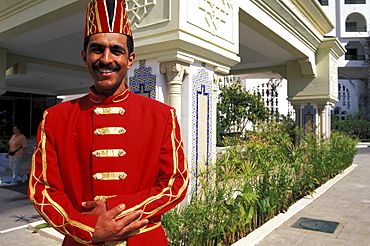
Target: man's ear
[84,57]
[131,60]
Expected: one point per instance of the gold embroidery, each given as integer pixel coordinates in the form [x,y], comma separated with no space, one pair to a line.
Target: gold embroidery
[110,131]
[46,200]
[155,225]
[103,198]
[118,243]
[98,18]
[110,176]
[109,153]
[111,110]
[121,97]
[166,191]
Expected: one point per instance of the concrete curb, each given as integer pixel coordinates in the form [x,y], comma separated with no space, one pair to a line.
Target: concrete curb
[257,235]
[48,232]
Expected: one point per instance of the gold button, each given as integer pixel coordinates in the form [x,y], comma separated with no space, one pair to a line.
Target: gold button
[99,132]
[121,176]
[121,111]
[121,153]
[98,176]
[97,154]
[99,111]
[122,131]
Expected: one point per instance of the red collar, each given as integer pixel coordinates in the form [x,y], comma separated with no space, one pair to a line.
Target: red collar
[98,99]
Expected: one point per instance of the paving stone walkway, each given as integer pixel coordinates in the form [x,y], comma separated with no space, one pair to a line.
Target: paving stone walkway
[346,202]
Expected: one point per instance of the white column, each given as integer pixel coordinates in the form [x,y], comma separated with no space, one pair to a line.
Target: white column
[175,73]
[325,119]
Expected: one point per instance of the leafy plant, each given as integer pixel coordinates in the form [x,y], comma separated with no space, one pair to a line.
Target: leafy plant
[355,125]
[235,109]
[254,180]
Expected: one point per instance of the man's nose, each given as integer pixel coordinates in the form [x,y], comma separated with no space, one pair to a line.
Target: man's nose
[106,57]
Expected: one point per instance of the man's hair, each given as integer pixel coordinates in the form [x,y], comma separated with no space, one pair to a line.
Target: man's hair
[18,126]
[130,43]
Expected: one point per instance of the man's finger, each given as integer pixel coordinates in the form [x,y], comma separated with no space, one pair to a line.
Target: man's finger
[132,228]
[111,214]
[88,204]
[93,204]
[130,218]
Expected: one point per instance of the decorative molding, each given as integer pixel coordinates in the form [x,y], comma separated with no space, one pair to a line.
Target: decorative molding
[215,12]
[307,68]
[174,71]
[175,57]
[10,8]
[137,10]
[222,70]
[333,82]
[315,14]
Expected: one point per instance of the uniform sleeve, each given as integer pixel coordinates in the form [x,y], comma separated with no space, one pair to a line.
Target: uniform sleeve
[46,190]
[172,181]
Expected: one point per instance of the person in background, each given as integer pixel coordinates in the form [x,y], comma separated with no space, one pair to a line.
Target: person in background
[17,153]
[109,164]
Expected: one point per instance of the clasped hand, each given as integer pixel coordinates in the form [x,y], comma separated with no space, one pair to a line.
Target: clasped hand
[107,227]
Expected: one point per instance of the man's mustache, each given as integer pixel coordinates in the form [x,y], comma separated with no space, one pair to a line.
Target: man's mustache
[105,66]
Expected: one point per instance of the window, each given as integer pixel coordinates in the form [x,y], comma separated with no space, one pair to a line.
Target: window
[324,2]
[355,2]
[344,97]
[270,97]
[355,22]
[355,51]
[342,115]
[351,54]
[352,27]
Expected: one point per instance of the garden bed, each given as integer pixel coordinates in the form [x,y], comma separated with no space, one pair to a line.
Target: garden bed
[254,181]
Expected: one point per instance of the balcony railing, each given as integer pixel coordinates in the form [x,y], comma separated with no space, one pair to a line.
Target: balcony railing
[355,57]
[355,2]
[356,29]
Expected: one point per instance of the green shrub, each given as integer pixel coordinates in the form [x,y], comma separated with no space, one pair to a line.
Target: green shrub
[254,180]
[355,125]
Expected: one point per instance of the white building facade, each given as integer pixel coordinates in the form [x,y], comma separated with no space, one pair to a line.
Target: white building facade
[183,49]
[352,26]
[273,90]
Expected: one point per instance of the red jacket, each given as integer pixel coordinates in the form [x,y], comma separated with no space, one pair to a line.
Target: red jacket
[124,149]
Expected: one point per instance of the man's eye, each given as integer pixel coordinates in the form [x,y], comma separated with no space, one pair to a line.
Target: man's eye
[117,52]
[96,50]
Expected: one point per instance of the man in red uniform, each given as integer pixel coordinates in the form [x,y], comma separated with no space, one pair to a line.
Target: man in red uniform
[109,164]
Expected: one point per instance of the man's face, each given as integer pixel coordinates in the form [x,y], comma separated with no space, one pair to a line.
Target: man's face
[108,60]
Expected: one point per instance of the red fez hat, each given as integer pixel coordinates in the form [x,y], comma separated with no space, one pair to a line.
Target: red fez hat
[107,16]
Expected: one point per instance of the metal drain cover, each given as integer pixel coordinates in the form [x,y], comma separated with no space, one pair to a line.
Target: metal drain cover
[316,225]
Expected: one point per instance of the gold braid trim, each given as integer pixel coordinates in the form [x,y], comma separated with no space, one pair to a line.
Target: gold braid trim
[176,145]
[46,199]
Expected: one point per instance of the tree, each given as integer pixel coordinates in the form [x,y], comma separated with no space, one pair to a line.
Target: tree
[236,108]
